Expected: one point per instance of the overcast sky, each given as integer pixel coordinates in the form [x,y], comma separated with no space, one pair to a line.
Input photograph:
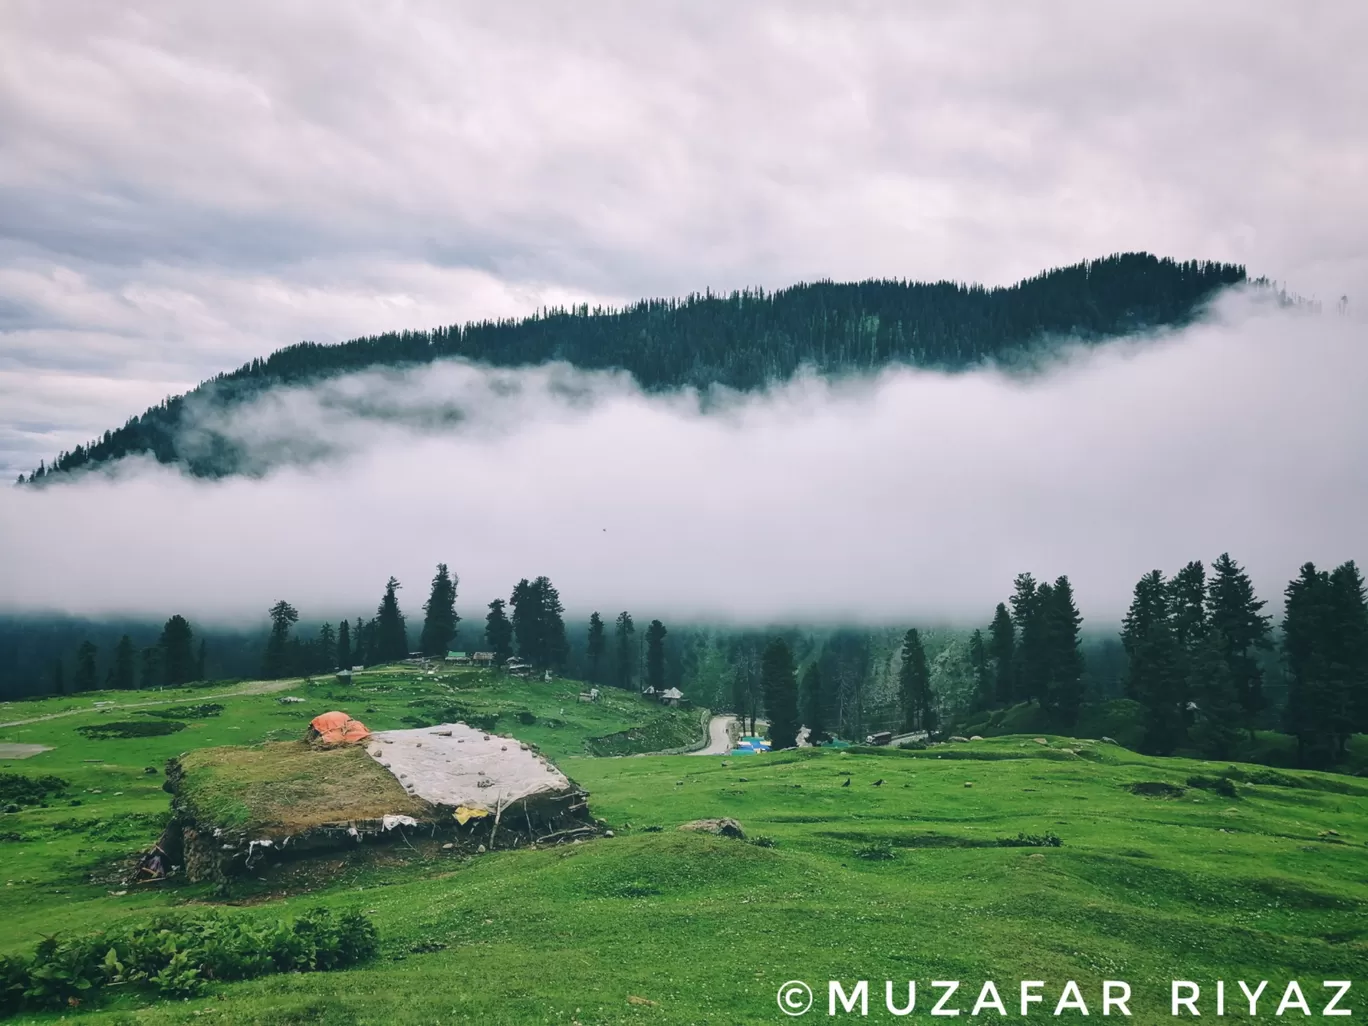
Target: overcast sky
[184,187]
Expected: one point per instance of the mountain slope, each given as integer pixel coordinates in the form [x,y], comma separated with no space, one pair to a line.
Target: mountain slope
[744,341]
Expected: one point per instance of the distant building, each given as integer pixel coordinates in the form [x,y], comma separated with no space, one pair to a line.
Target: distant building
[458,658]
[672,696]
[483,658]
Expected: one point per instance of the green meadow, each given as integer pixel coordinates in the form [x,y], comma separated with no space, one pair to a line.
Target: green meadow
[1007,859]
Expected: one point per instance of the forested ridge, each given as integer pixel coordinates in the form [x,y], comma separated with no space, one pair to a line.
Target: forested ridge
[744,341]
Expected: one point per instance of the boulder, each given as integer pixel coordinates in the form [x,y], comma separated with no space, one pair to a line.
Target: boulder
[956,737]
[1040,741]
[725,827]
[977,737]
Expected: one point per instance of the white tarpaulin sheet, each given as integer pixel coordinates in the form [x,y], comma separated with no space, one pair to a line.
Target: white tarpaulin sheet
[454,764]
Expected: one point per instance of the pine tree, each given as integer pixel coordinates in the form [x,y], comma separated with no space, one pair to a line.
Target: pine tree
[275,662]
[360,639]
[594,647]
[1064,684]
[1002,650]
[553,646]
[1308,615]
[327,648]
[177,648]
[623,632]
[123,670]
[1152,671]
[655,655]
[812,701]
[1348,643]
[499,632]
[149,671]
[1216,727]
[1030,652]
[914,685]
[84,677]
[1234,612]
[344,648]
[983,678]
[391,634]
[201,660]
[780,694]
[58,679]
[1191,624]
[440,621]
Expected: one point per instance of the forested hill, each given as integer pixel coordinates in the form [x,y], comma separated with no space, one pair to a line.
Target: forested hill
[744,340]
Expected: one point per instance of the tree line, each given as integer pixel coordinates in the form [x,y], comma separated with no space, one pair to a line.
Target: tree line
[744,340]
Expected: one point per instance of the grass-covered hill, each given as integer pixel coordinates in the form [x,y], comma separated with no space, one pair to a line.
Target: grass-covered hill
[1007,859]
[744,340]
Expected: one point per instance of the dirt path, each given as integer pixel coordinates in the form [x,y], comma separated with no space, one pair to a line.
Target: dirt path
[261,687]
[719,736]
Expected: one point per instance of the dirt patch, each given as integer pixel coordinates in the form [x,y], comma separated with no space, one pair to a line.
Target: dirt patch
[16,751]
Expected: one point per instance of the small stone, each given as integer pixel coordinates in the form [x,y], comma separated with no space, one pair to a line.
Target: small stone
[968,783]
[448,846]
[977,737]
[480,850]
[608,833]
[1040,741]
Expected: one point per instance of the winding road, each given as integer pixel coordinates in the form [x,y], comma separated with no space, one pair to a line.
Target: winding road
[719,736]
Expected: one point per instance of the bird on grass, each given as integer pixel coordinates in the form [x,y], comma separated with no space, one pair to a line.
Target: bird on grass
[878,782]
[847,782]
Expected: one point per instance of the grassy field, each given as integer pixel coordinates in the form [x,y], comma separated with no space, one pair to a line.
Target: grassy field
[903,879]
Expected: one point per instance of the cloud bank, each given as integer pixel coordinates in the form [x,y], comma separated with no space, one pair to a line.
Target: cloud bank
[184,187]
[909,497]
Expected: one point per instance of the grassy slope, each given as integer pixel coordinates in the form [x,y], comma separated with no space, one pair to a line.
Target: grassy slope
[1143,889]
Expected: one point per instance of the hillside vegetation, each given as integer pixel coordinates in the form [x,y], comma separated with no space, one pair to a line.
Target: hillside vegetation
[744,340]
[1020,857]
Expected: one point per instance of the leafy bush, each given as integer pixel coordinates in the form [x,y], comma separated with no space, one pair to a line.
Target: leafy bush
[177,956]
[762,841]
[527,717]
[17,789]
[129,728]
[915,745]
[1221,785]
[880,851]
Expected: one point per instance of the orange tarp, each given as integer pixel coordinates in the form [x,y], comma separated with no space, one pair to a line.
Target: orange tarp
[337,728]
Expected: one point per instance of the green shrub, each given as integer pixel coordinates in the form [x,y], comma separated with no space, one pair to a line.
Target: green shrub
[17,789]
[527,717]
[1045,840]
[1221,785]
[129,728]
[178,955]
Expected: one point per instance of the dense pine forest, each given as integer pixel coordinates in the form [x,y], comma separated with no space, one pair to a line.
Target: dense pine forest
[743,341]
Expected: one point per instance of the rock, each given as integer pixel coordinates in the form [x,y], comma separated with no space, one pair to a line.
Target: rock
[977,737]
[448,846]
[1108,740]
[725,827]
[632,999]
[968,783]
[1040,741]
[608,833]
[956,737]
[481,850]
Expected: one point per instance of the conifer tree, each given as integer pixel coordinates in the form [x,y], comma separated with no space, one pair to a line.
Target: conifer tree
[1307,616]
[360,640]
[983,678]
[1234,612]
[1030,650]
[391,634]
[326,648]
[177,649]
[812,700]
[1216,727]
[914,685]
[275,662]
[123,669]
[655,655]
[344,647]
[499,632]
[594,647]
[623,632]
[1002,649]
[84,677]
[1348,643]
[780,693]
[1064,684]
[149,671]
[58,678]
[537,623]
[1152,664]
[201,660]
[440,621]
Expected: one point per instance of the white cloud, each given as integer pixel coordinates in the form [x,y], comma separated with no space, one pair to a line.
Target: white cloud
[913,496]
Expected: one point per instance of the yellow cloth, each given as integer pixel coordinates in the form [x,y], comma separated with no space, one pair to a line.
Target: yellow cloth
[465,813]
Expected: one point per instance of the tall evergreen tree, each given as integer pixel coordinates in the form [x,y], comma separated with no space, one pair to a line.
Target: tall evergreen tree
[812,700]
[1002,649]
[623,632]
[1234,612]
[781,694]
[655,655]
[1152,672]
[391,634]
[1307,617]
[275,663]
[201,660]
[344,646]
[1064,686]
[1030,652]
[360,640]
[983,678]
[58,678]
[177,648]
[84,677]
[1216,727]
[499,633]
[1191,623]
[327,649]
[440,621]
[1348,645]
[914,685]
[594,646]
[537,623]
[149,670]
[123,669]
